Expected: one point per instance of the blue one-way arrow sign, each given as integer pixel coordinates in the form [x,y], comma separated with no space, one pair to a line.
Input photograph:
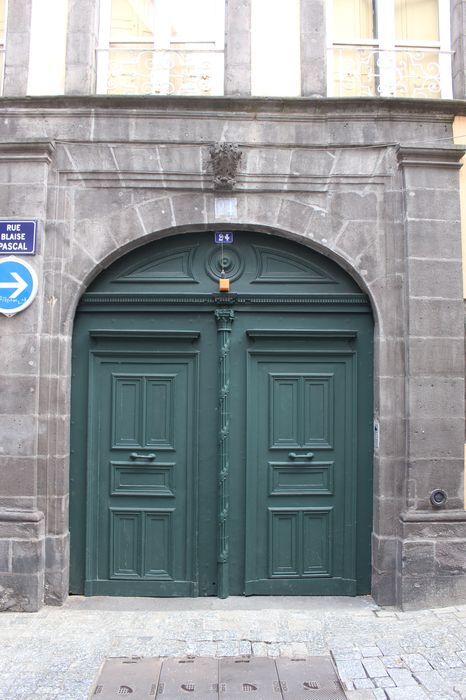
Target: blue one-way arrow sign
[18,285]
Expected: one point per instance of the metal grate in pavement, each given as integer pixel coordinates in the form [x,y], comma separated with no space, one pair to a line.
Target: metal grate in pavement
[131,676]
[248,677]
[195,678]
[228,678]
[312,677]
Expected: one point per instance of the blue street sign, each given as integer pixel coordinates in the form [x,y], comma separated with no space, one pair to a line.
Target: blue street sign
[18,237]
[18,285]
[224,236]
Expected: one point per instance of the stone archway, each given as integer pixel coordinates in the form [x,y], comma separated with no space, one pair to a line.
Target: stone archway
[296,331]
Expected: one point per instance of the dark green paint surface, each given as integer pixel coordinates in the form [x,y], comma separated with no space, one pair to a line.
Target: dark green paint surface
[145,430]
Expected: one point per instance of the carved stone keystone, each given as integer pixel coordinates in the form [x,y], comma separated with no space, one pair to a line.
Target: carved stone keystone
[225,159]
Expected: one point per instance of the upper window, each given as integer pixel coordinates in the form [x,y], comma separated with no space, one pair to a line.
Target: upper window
[392,48]
[3,8]
[161,47]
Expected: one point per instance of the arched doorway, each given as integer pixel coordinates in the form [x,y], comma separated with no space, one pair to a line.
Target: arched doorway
[222,442]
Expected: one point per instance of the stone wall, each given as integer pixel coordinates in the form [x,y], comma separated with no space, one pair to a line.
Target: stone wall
[356,181]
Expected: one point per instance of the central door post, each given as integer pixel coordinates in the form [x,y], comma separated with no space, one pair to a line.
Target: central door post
[224,319]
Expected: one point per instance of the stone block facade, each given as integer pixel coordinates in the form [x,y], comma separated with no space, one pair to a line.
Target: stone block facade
[373,186]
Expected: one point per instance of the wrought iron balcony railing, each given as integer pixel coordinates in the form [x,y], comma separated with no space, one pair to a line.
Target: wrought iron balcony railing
[136,71]
[353,70]
[361,70]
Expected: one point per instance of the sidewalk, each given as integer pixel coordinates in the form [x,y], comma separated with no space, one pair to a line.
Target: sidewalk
[380,653]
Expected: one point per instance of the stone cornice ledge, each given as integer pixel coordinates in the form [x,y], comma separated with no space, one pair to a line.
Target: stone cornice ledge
[27,150]
[434,156]
[428,516]
[427,109]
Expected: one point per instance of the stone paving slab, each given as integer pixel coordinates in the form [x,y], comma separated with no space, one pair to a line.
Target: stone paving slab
[55,654]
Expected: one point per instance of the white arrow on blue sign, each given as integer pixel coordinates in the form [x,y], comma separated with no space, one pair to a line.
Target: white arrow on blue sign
[18,285]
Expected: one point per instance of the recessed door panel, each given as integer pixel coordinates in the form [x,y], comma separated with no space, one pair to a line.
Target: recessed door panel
[130,479]
[318,410]
[301,478]
[125,543]
[284,411]
[159,538]
[126,411]
[159,414]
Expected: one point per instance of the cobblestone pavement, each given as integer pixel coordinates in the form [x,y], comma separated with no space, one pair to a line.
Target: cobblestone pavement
[379,652]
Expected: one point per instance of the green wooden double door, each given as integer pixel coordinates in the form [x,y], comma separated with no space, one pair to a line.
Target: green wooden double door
[221,450]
